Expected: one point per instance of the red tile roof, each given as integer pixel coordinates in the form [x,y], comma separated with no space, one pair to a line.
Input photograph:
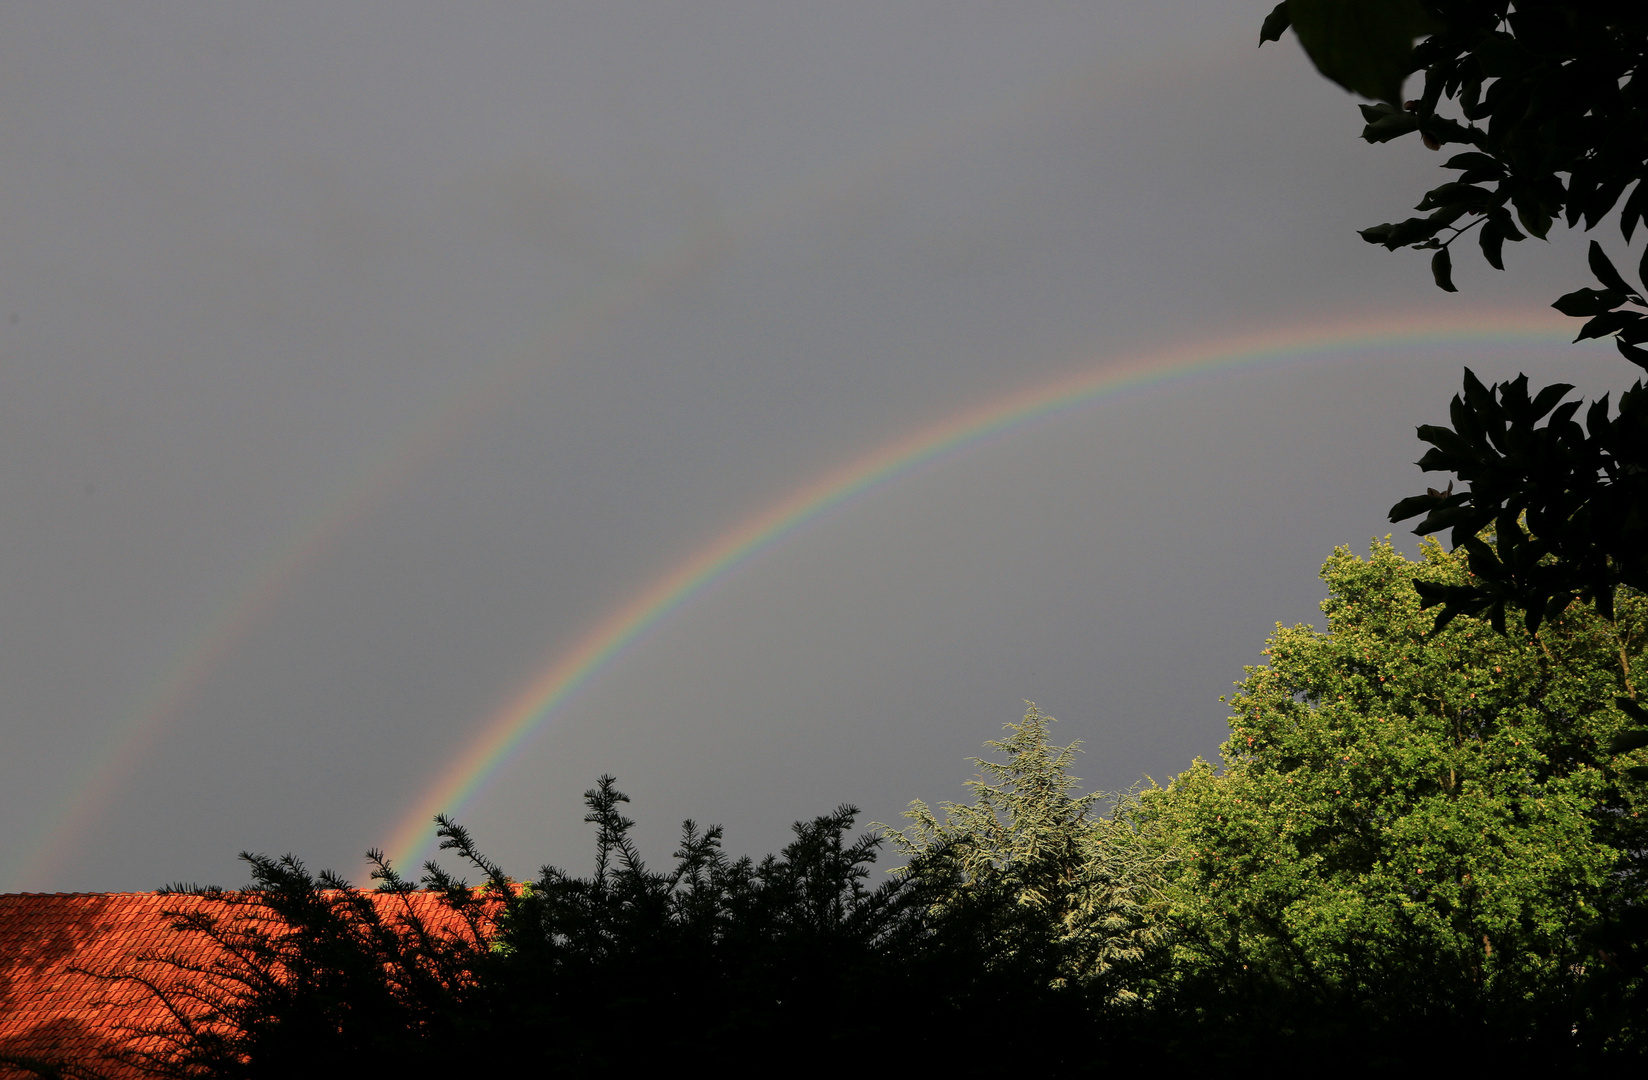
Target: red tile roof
[53,1010]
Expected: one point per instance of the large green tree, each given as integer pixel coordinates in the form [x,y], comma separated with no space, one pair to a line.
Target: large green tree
[1415,833]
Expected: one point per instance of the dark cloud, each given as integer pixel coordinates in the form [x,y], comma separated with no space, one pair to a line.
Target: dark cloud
[373,354]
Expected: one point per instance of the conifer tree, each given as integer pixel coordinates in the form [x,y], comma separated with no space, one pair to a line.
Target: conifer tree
[1068,888]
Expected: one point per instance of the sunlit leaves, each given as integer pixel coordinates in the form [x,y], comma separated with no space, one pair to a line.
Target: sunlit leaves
[1066,880]
[1410,825]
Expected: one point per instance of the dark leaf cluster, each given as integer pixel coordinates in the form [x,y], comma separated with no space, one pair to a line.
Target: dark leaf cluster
[1616,308]
[1566,504]
[1549,107]
[1632,739]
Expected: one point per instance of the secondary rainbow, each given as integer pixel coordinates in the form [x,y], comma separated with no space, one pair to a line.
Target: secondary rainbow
[566,674]
[104,771]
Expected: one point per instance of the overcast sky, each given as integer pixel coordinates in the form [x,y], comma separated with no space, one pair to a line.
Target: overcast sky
[358,358]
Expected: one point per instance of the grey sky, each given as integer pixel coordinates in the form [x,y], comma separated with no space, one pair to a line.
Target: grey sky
[457,324]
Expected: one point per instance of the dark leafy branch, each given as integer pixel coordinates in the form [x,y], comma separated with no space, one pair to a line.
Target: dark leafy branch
[1543,98]
[1566,504]
[1547,102]
[1616,308]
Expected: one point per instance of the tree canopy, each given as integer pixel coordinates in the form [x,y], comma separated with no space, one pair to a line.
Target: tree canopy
[1415,833]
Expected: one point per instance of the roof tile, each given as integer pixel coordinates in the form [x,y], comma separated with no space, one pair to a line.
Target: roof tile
[53,1007]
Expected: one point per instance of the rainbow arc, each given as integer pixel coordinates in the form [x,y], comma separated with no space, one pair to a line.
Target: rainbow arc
[603,644]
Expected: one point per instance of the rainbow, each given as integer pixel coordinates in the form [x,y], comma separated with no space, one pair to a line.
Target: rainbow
[532,706]
[85,798]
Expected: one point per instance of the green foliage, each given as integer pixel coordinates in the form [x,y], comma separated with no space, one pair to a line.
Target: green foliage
[1414,830]
[1581,492]
[1070,889]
